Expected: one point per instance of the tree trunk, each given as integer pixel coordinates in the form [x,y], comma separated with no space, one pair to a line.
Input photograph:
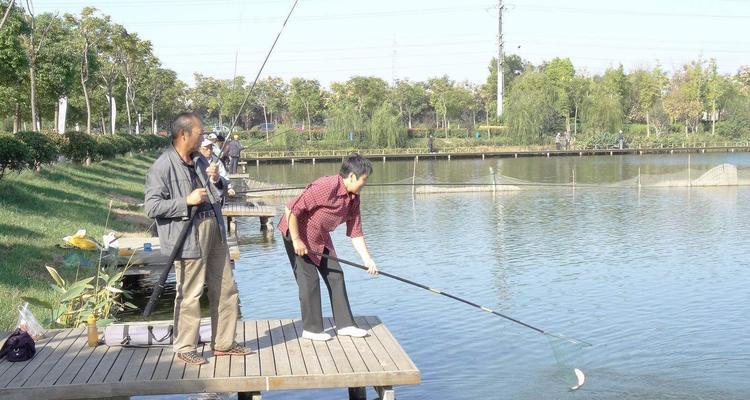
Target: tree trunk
[265,120]
[153,117]
[127,106]
[88,106]
[648,125]
[104,124]
[409,119]
[575,122]
[487,119]
[17,118]
[713,119]
[309,123]
[32,77]
[55,127]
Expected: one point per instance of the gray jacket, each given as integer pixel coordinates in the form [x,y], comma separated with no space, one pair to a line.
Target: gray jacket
[168,184]
[234,148]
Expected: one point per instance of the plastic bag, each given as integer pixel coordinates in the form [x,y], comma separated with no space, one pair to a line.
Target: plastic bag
[28,323]
[80,241]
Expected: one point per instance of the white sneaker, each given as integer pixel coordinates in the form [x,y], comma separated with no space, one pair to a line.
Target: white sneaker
[352,331]
[322,337]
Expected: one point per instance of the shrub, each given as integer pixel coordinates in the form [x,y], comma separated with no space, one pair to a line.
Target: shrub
[78,146]
[43,149]
[14,154]
[105,148]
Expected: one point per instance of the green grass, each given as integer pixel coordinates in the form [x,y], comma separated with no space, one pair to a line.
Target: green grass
[38,209]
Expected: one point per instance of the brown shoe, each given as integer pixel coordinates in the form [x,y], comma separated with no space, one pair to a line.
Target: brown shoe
[235,350]
[192,358]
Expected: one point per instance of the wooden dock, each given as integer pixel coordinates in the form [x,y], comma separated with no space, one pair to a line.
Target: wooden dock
[146,262]
[243,208]
[66,368]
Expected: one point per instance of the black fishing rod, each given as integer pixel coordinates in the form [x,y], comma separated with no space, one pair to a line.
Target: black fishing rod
[159,288]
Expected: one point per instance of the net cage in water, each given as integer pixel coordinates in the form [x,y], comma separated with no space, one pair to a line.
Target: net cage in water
[725,175]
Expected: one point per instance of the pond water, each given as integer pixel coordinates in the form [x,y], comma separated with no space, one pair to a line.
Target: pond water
[656,279]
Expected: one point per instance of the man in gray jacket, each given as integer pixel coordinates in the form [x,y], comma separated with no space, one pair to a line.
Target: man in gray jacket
[179,180]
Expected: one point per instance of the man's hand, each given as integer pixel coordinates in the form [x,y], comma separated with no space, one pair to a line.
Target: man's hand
[213,172]
[231,192]
[372,269]
[197,196]
[299,247]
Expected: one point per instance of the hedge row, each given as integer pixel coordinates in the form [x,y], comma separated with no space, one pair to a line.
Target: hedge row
[31,150]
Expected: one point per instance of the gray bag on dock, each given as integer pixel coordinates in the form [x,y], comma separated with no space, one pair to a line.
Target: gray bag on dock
[140,334]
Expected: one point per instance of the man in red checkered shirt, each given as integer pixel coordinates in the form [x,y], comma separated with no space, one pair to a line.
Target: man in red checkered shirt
[306,225]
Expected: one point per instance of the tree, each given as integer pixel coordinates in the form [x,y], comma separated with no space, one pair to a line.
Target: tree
[684,101]
[579,90]
[271,95]
[601,111]
[560,74]
[411,98]
[33,40]
[438,92]
[91,30]
[137,61]
[13,65]
[305,100]
[513,67]
[386,127]
[57,68]
[717,88]
[364,93]
[647,88]
[531,108]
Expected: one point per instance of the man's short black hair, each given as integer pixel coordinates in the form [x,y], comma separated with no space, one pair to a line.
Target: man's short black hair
[183,121]
[356,164]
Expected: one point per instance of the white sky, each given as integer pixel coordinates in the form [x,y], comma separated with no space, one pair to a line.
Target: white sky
[332,40]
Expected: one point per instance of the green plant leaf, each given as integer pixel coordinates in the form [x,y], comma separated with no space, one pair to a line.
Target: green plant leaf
[36,302]
[114,289]
[72,293]
[101,323]
[58,279]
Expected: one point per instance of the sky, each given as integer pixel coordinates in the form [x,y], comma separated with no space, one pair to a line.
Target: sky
[333,40]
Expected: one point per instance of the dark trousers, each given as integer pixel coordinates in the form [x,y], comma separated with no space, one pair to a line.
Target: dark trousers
[233,164]
[306,274]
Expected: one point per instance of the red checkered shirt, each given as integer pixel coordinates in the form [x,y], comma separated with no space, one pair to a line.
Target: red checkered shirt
[320,208]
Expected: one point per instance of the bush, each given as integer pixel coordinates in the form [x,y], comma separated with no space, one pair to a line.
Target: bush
[14,154]
[105,148]
[43,149]
[78,146]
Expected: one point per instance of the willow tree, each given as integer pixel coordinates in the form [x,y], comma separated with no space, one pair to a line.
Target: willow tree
[531,108]
[386,127]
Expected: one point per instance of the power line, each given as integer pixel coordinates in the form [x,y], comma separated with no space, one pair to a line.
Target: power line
[623,12]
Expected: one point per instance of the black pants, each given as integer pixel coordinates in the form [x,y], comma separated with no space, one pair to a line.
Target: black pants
[306,274]
[233,164]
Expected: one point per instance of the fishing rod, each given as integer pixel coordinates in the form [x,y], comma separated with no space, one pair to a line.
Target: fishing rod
[159,288]
[580,377]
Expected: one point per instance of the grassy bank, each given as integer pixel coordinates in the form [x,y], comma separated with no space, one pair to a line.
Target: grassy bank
[38,209]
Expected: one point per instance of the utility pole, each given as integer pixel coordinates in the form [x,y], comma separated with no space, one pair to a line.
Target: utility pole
[500,61]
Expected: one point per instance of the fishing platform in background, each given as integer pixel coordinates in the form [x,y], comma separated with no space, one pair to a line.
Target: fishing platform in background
[148,262]
[293,156]
[243,208]
[66,368]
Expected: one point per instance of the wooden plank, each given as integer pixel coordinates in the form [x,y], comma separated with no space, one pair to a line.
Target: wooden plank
[324,356]
[134,365]
[193,371]
[267,364]
[278,345]
[9,370]
[236,365]
[177,370]
[207,371]
[79,345]
[163,367]
[118,366]
[101,371]
[77,364]
[21,371]
[397,353]
[252,361]
[337,350]
[312,364]
[352,354]
[368,357]
[377,348]
[296,361]
[149,364]
[91,364]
